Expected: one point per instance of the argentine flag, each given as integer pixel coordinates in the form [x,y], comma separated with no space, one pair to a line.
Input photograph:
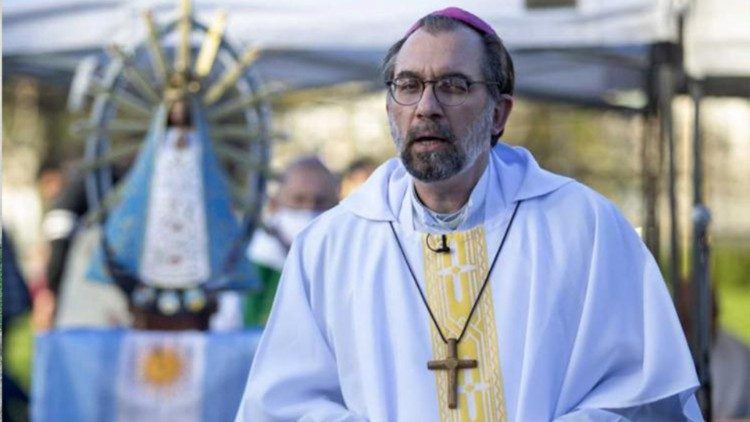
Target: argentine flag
[125,375]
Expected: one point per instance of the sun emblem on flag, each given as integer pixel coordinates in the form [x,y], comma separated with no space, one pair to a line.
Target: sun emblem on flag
[162,367]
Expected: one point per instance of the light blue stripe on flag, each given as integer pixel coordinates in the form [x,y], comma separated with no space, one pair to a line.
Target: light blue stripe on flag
[229,362]
[73,375]
[77,373]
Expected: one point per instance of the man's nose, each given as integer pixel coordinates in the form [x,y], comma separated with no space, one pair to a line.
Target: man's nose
[428,106]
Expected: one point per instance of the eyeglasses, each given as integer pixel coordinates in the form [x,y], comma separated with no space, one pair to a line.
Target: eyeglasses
[449,90]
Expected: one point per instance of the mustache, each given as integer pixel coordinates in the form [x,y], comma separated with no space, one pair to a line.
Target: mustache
[429,129]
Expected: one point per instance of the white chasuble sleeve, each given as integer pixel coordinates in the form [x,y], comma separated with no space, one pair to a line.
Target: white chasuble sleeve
[294,375]
[630,360]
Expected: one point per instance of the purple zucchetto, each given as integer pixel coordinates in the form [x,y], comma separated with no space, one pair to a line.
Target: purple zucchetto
[461,15]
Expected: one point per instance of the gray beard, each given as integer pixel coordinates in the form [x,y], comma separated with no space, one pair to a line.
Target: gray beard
[434,166]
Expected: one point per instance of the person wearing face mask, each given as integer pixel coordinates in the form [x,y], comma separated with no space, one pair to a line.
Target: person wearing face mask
[307,188]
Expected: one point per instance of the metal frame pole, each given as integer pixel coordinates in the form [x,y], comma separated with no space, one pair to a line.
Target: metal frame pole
[650,174]
[666,83]
[701,281]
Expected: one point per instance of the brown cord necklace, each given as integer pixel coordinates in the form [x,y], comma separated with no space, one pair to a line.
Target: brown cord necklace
[451,363]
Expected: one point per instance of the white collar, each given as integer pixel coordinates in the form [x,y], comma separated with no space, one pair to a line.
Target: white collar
[427,220]
[514,176]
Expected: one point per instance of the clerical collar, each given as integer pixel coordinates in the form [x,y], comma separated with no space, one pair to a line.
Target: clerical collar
[428,220]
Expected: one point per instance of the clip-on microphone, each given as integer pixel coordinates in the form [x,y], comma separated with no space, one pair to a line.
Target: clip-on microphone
[443,248]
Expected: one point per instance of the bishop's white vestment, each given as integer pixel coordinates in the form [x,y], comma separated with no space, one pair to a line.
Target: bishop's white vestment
[575,324]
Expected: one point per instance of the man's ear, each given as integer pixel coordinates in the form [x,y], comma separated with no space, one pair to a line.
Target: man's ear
[500,113]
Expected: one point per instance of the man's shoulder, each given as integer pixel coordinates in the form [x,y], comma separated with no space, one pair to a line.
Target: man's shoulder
[575,196]
[337,222]
[577,206]
[335,219]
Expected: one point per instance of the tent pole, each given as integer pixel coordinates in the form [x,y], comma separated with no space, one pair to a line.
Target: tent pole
[650,181]
[701,281]
[666,83]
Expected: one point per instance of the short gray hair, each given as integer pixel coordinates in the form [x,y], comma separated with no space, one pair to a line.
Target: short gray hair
[497,64]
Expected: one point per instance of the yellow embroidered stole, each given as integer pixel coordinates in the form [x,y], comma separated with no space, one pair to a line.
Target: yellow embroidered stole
[452,284]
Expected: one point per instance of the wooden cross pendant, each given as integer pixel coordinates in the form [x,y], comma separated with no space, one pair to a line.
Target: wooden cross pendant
[452,364]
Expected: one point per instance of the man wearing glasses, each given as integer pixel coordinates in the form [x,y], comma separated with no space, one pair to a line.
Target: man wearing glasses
[464,283]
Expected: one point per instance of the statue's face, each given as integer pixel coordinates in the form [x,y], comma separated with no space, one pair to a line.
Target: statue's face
[179,114]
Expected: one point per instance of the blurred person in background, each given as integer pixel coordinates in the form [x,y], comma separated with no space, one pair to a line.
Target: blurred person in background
[27,306]
[59,226]
[71,246]
[51,180]
[306,189]
[356,174]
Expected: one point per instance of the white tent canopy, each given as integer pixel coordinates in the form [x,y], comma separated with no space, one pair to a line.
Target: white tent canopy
[315,43]
[717,39]
[44,26]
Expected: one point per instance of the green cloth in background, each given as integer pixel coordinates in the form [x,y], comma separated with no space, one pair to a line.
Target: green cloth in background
[18,346]
[258,302]
[18,337]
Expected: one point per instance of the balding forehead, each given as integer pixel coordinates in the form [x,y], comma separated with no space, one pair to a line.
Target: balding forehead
[304,167]
[308,176]
[308,186]
[457,50]
[306,170]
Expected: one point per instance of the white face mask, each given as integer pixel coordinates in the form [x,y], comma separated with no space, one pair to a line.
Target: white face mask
[289,222]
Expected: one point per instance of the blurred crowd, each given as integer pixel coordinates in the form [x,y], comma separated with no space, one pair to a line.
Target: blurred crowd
[54,293]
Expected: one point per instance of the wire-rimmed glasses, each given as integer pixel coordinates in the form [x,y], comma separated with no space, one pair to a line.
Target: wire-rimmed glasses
[449,90]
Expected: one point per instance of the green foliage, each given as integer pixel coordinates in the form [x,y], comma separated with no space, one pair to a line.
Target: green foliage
[734,311]
[730,273]
[730,265]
